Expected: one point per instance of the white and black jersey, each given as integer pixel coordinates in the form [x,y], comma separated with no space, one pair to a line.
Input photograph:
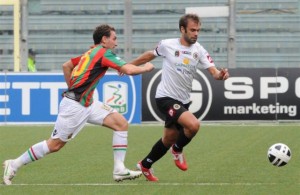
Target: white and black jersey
[180,64]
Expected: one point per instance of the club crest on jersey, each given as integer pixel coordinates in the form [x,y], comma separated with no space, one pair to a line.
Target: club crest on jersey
[176,106]
[177,53]
[186,52]
[195,56]
[115,96]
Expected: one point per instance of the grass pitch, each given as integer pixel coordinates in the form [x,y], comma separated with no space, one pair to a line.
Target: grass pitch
[222,159]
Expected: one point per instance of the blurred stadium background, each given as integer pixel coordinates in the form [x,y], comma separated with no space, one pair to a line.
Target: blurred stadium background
[267,32]
[224,158]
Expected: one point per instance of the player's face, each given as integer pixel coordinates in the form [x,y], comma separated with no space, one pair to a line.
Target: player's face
[111,42]
[190,35]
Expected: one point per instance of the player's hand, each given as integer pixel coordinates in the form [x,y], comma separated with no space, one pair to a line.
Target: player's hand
[149,66]
[223,74]
[63,94]
[120,73]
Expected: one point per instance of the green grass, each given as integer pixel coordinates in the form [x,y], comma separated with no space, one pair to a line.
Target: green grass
[223,159]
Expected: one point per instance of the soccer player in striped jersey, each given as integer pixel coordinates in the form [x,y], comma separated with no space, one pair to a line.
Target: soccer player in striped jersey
[181,58]
[82,74]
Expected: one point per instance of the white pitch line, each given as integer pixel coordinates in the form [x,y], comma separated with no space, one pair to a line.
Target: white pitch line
[150,183]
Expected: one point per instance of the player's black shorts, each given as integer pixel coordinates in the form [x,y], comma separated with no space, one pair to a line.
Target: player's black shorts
[171,109]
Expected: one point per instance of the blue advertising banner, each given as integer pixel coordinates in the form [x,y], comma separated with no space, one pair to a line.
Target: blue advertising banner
[35,97]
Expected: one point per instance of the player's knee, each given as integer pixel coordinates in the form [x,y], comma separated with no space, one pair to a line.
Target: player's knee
[122,125]
[121,122]
[54,149]
[55,145]
[169,141]
[116,121]
[194,127]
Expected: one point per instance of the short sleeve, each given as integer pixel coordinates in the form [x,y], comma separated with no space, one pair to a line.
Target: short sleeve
[159,50]
[112,60]
[205,60]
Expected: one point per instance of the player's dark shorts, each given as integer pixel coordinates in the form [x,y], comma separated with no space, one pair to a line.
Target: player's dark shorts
[171,109]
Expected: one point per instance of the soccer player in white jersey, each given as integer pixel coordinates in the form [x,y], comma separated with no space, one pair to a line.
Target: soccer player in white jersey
[181,58]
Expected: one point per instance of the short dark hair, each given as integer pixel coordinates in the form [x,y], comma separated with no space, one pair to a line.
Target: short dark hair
[184,20]
[100,31]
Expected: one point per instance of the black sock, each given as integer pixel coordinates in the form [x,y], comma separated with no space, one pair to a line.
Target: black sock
[158,151]
[181,142]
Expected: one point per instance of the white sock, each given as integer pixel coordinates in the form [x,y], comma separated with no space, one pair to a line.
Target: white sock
[34,153]
[119,145]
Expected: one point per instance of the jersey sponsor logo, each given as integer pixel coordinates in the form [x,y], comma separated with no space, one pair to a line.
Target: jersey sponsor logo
[176,53]
[201,96]
[186,61]
[115,95]
[183,71]
[186,52]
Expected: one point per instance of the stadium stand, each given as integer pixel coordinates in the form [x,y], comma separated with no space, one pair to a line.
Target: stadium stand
[267,31]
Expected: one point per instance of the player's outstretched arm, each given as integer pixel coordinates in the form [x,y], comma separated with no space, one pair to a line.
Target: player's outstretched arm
[131,69]
[144,58]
